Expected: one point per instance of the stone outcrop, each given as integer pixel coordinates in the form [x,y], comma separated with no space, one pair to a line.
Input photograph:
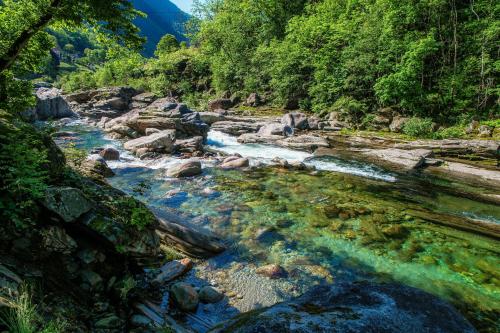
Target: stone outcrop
[50,104]
[275,129]
[405,159]
[296,120]
[236,128]
[353,307]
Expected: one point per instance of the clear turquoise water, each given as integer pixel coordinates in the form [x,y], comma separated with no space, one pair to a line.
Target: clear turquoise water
[329,226]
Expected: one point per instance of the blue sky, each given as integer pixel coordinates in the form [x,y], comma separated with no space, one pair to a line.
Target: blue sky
[185,5]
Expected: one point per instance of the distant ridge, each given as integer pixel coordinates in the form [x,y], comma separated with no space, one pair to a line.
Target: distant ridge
[163,18]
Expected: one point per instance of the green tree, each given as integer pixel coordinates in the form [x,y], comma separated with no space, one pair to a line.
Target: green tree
[167,44]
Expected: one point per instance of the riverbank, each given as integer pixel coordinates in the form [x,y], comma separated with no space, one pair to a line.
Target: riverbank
[290,219]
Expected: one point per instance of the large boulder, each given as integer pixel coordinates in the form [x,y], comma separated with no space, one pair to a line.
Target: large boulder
[211,117]
[402,159]
[398,123]
[275,129]
[51,104]
[157,142]
[235,162]
[220,104]
[362,307]
[253,100]
[110,154]
[188,169]
[66,202]
[296,120]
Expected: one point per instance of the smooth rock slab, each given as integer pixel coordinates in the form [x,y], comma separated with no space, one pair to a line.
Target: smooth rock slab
[362,307]
[173,269]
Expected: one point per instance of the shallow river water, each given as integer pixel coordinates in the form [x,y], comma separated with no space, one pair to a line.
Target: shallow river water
[347,221]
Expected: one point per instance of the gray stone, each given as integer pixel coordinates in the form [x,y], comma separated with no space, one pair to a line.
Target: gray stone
[304,142]
[234,162]
[161,142]
[55,239]
[211,117]
[275,129]
[485,131]
[51,105]
[253,100]
[221,103]
[95,164]
[398,123]
[68,203]
[362,307]
[109,322]
[184,296]
[296,120]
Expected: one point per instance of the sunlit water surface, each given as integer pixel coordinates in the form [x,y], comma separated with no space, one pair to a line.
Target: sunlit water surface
[346,222]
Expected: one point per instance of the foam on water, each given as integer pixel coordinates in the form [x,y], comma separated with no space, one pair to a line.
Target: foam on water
[265,153]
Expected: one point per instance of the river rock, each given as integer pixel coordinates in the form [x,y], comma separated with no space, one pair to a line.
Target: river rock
[110,154]
[211,117]
[272,271]
[220,104]
[158,142]
[236,128]
[295,120]
[66,202]
[110,321]
[275,129]
[472,128]
[173,270]
[210,294]
[184,296]
[189,145]
[51,104]
[253,100]
[404,159]
[140,321]
[398,123]
[361,307]
[96,165]
[188,169]
[304,142]
[235,162]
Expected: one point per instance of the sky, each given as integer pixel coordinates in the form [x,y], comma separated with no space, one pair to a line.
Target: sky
[185,5]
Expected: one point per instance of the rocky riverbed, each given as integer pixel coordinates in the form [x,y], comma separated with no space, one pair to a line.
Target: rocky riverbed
[277,205]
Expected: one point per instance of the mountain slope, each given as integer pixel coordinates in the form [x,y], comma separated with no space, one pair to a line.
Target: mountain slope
[163,18]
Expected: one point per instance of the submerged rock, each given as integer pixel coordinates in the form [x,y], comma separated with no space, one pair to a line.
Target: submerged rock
[210,294]
[184,296]
[362,307]
[272,271]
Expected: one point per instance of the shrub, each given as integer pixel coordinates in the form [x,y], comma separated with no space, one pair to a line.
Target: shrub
[23,166]
[455,132]
[134,214]
[418,127]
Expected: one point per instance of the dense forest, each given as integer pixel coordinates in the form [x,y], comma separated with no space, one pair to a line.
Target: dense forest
[437,59]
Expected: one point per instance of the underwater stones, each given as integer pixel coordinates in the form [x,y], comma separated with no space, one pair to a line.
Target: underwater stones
[66,202]
[184,296]
[272,271]
[395,231]
[353,307]
[110,154]
[210,294]
[188,169]
[332,211]
[173,270]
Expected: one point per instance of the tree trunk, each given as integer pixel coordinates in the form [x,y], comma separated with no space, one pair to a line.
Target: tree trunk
[8,59]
